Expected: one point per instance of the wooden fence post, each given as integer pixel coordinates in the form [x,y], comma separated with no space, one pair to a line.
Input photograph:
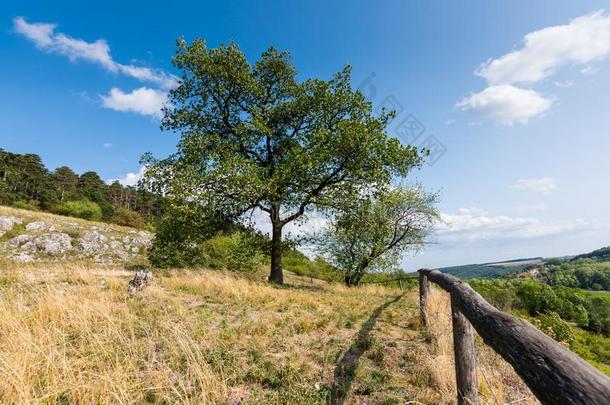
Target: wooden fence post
[423,298]
[465,357]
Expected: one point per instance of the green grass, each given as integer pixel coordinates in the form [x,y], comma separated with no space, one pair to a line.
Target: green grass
[16,230]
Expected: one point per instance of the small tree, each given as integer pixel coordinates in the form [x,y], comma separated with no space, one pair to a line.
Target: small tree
[84,209]
[125,217]
[253,137]
[373,233]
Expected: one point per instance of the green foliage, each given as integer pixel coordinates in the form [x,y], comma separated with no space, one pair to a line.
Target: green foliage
[500,293]
[252,136]
[593,348]
[552,324]
[24,205]
[372,234]
[586,273]
[16,230]
[26,183]
[180,236]
[67,182]
[552,308]
[191,236]
[84,209]
[24,177]
[125,217]
[296,262]
[602,254]
[235,252]
[587,310]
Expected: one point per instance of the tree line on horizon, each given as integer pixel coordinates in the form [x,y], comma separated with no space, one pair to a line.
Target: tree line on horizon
[25,182]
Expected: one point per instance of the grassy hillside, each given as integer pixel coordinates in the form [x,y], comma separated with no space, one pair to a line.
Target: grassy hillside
[602,254]
[490,270]
[32,236]
[71,334]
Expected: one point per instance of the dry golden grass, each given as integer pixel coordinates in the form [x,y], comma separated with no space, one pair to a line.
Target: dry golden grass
[59,221]
[71,334]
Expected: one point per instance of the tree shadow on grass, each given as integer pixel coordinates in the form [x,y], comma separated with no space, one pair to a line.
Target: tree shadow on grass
[346,368]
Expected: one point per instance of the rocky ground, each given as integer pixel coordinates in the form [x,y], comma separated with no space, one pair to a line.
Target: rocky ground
[27,236]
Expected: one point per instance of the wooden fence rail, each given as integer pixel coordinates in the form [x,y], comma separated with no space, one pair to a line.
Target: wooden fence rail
[553,373]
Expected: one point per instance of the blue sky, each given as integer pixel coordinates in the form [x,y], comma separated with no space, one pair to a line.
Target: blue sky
[514,96]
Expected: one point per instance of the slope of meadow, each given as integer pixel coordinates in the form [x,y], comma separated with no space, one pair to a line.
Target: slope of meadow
[71,334]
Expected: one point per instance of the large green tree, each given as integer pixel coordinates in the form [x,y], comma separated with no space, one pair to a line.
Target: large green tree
[66,180]
[254,137]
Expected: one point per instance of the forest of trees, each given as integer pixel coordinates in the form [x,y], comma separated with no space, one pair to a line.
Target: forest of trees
[25,182]
[589,271]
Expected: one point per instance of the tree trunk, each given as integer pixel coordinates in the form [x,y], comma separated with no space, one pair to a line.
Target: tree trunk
[276,254]
[352,278]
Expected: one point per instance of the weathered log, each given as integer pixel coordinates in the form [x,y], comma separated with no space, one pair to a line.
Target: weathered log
[553,373]
[423,298]
[465,357]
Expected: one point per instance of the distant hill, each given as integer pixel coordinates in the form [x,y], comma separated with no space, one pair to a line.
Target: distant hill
[505,268]
[600,255]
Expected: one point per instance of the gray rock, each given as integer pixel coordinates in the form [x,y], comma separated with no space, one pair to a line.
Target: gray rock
[20,240]
[23,258]
[138,242]
[54,243]
[36,226]
[7,223]
[93,242]
[50,243]
[43,240]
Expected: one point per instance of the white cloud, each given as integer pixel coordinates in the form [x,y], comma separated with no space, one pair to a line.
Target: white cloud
[143,100]
[477,225]
[583,40]
[43,35]
[565,83]
[129,179]
[506,104]
[539,185]
[108,145]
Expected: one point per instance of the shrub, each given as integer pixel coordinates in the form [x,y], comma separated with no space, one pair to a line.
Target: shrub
[179,237]
[24,205]
[125,217]
[234,252]
[552,324]
[84,209]
[244,254]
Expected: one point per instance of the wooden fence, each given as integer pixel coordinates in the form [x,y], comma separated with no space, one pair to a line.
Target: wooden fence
[553,373]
